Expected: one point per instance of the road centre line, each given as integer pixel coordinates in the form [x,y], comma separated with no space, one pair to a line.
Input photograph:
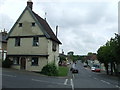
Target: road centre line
[73,75]
[66,80]
[117,86]
[95,78]
[105,81]
[72,84]
[48,82]
[7,75]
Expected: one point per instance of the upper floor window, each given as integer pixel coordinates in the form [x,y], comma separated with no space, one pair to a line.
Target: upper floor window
[20,24]
[54,46]
[35,41]
[34,61]
[17,41]
[33,23]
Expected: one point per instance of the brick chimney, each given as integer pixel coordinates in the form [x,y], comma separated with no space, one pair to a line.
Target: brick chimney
[30,4]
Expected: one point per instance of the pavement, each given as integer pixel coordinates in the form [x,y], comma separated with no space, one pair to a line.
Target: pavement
[84,79]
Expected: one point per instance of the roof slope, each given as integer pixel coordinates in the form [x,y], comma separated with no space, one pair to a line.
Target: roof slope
[46,27]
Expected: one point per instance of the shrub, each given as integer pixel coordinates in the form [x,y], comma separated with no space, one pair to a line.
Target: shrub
[50,70]
[7,63]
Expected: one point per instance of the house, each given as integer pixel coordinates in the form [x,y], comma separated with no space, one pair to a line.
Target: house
[3,46]
[31,42]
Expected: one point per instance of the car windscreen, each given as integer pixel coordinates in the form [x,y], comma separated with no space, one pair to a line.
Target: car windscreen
[97,66]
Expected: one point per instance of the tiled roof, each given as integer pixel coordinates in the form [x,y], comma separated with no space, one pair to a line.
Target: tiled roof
[46,27]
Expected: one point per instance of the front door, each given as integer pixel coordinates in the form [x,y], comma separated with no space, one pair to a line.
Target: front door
[23,63]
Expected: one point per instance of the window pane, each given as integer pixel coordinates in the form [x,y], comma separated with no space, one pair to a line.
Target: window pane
[35,41]
[17,41]
[16,60]
[53,46]
[20,24]
[34,61]
[33,24]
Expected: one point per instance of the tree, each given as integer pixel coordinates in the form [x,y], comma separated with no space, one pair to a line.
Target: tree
[89,53]
[117,51]
[110,53]
[103,56]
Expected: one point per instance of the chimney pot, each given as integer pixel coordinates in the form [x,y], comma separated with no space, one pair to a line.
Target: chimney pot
[30,4]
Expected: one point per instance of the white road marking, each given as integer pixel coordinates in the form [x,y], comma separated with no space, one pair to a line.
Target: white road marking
[7,75]
[73,75]
[117,86]
[95,78]
[72,84]
[105,81]
[48,82]
[66,80]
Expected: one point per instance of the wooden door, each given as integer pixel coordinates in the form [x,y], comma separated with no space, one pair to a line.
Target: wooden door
[23,63]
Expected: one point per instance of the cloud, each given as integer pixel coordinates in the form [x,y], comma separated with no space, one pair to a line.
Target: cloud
[5,22]
[84,25]
[2,2]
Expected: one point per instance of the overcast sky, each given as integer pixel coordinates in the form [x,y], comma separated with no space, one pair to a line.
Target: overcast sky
[84,25]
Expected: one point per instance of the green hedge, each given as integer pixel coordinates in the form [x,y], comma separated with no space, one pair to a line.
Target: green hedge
[50,70]
[7,63]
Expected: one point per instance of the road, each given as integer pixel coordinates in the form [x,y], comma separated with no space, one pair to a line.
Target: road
[84,79]
[88,79]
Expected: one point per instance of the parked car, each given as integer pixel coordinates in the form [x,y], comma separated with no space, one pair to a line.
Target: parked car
[85,65]
[68,63]
[96,68]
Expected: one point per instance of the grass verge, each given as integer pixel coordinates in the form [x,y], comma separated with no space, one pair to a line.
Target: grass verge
[63,71]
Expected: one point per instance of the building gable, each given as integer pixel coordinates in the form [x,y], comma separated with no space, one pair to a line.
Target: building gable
[27,18]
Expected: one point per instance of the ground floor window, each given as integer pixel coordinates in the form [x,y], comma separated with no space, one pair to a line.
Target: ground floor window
[16,60]
[34,61]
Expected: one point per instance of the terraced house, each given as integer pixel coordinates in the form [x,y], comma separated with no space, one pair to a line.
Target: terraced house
[31,42]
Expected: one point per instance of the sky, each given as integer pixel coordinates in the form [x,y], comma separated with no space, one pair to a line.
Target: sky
[83,25]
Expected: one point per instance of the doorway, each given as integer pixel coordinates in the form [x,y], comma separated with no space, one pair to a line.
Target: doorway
[23,63]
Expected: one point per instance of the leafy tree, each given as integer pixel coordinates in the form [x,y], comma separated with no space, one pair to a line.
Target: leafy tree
[117,51]
[62,58]
[76,57]
[103,57]
[110,53]
[7,63]
[89,53]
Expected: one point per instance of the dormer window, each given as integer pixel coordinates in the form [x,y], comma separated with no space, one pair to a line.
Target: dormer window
[36,41]
[20,24]
[33,24]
